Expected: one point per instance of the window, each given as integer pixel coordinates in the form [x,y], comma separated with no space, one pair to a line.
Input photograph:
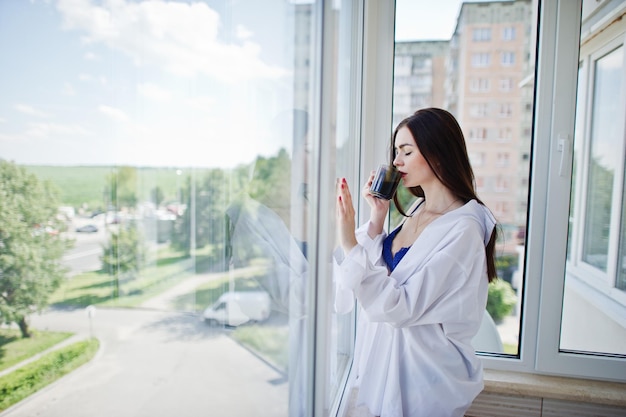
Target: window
[508,33]
[477,134]
[481,34]
[594,274]
[479,110]
[581,252]
[189,141]
[480,60]
[506,110]
[501,186]
[506,84]
[479,84]
[502,159]
[507,59]
[505,134]
[188,137]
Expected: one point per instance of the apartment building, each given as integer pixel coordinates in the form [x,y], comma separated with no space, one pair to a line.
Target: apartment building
[483,75]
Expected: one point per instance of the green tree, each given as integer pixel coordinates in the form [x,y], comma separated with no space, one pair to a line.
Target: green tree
[270,184]
[206,205]
[30,245]
[123,256]
[122,187]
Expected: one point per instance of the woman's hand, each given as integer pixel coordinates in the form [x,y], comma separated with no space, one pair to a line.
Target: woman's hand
[378,208]
[345,217]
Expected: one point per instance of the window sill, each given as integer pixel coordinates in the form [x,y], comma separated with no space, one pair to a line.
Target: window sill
[557,388]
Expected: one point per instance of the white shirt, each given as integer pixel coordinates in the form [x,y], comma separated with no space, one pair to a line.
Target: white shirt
[413,347]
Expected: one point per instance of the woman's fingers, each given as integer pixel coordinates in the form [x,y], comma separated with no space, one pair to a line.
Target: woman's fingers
[345,216]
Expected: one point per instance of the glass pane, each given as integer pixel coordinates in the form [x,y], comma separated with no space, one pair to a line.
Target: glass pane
[594,301]
[604,139]
[177,136]
[475,60]
[345,148]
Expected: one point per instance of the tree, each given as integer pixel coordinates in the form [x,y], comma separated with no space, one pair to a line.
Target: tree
[121,188]
[206,204]
[30,246]
[123,256]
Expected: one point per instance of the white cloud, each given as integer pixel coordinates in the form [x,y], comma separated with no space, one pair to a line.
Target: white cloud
[241,32]
[90,56]
[153,91]
[115,114]
[181,38]
[30,110]
[203,104]
[68,89]
[46,130]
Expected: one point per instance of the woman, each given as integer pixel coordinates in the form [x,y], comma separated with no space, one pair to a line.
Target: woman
[422,289]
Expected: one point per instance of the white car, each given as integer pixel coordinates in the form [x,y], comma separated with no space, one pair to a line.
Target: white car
[239,307]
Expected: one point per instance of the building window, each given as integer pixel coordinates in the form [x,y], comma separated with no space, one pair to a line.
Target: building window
[479,85]
[477,134]
[507,59]
[481,60]
[505,134]
[479,110]
[508,33]
[506,84]
[481,35]
[502,185]
[503,159]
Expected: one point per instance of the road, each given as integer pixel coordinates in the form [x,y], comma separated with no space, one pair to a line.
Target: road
[152,362]
[156,364]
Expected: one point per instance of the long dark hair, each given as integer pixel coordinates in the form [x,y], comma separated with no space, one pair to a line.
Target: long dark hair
[440,140]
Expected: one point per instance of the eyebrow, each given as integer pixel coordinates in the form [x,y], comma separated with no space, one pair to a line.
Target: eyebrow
[403,145]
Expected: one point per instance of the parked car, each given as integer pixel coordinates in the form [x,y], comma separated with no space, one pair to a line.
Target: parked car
[236,308]
[88,228]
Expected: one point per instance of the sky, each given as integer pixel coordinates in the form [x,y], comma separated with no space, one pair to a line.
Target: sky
[156,82]
[423,20]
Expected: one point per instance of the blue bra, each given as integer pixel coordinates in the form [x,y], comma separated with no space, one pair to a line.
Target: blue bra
[392,260]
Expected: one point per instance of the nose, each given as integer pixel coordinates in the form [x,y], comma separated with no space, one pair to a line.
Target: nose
[397,161]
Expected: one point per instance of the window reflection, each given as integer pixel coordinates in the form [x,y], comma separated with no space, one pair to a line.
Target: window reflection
[180,130]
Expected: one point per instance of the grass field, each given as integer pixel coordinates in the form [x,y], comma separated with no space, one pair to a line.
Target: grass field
[14,348]
[32,377]
[84,186]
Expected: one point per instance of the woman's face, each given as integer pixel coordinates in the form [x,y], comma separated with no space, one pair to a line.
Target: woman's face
[409,160]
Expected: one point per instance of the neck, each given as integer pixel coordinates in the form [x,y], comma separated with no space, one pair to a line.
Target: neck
[440,202]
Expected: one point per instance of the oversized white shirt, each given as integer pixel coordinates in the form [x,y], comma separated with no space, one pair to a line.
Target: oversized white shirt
[413,348]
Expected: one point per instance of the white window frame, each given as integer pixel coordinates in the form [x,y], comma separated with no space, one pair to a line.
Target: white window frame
[555,111]
[602,281]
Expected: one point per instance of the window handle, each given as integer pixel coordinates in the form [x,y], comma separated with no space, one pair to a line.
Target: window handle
[562,146]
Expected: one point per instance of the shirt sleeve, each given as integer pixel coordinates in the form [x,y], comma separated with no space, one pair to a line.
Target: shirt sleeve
[444,288]
[344,272]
